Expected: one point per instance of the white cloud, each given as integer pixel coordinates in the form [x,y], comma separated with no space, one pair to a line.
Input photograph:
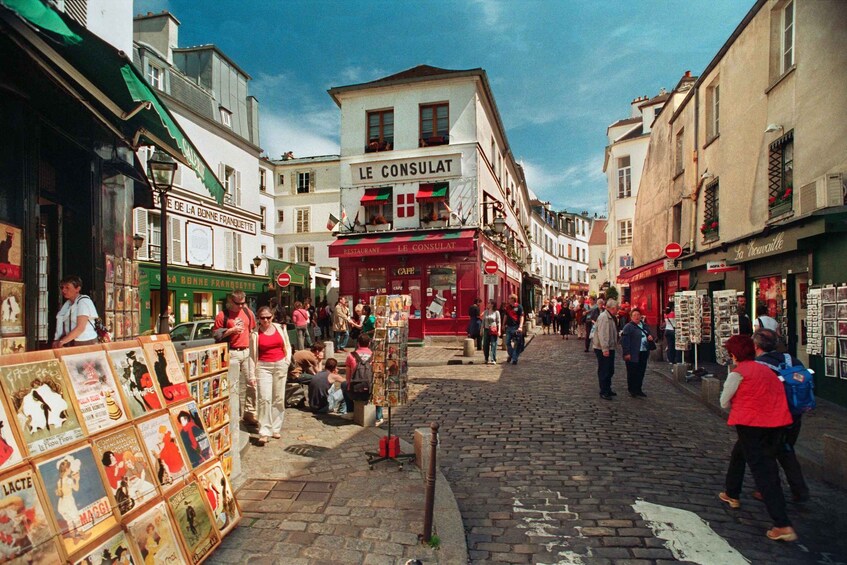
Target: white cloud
[491,12]
[577,187]
[284,132]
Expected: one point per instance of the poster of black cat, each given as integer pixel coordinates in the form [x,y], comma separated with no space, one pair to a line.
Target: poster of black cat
[38,398]
[135,378]
[78,501]
[100,403]
[169,372]
[10,252]
[11,308]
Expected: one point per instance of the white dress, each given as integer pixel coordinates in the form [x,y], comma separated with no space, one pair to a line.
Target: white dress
[67,504]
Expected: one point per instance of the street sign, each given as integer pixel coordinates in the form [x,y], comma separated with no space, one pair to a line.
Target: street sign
[673,250]
[490,279]
[283,279]
[719,267]
[671,265]
[490,267]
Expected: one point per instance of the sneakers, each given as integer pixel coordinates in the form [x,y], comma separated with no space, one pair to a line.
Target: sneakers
[732,502]
[781,534]
[379,422]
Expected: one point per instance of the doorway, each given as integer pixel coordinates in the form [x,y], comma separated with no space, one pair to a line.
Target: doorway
[797,322]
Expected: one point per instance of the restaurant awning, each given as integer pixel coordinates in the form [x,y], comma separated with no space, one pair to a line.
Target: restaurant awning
[403,244]
[376,196]
[642,272]
[299,273]
[432,191]
[104,80]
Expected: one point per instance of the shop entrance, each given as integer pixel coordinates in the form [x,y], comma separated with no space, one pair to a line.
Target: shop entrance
[797,323]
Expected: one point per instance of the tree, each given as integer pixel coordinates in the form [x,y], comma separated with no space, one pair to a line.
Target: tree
[611,293]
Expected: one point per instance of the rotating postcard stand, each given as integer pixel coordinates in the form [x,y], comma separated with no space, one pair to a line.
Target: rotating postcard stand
[390,369]
[694,326]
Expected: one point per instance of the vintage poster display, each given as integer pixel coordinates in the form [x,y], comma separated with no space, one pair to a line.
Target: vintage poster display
[23,520]
[154,538]
[168,370]
[220,497]
[114,551]
[10,252]
[135,378]
[390,364]
[38,397]
[129,477]
[193,521]
[100,404]
[192,434]
[10,447]
[205,360]
[12,345]
[81,510]
[163,451]
[11,308]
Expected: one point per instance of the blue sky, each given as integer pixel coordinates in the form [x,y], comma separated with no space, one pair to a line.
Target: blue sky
[561,70]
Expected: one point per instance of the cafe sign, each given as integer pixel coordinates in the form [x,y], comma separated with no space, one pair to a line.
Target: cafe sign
[761,247]
[209,215]
[421,168]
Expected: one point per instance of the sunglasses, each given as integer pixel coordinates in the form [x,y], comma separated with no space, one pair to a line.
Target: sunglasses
[240,303]
[265,317]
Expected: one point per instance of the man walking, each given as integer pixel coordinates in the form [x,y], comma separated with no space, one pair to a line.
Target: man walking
[341,324]
[591,319]
[604,342]
[233,325]
[514,329]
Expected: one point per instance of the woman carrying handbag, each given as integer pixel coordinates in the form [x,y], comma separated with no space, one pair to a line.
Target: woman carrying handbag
[491,327]
[637,342]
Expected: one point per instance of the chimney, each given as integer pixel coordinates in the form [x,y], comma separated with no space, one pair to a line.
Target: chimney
[160,31]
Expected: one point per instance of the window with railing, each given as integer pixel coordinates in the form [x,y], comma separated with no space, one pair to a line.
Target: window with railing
[624,177]
[380,131]
[434,124]
[711,226]
[781,175]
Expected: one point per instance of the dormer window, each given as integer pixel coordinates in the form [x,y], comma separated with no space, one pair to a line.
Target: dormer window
[226,117]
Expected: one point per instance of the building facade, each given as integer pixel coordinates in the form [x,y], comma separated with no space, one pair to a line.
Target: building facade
[597,257]
[431,192]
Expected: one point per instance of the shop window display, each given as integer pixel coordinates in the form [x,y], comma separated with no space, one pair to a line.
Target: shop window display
[441,291]
[770,292]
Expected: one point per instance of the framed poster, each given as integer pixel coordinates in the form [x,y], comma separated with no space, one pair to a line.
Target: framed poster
[193,522]
[110,296]
[135,378]
[12,345]
[163,450]
[167,368]
[831,367]
[121,459]
[24,521]
[78,501]
[221,498]
[10,252]
[135,274]
[127,271]
[11,308]
[153,537]
[38,397]
[100,404]
[10,448]
[119,296]
[830,347]
[192,434]
[828,294]
[114,551]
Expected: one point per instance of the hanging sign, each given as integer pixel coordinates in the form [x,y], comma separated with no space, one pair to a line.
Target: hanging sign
[719,267]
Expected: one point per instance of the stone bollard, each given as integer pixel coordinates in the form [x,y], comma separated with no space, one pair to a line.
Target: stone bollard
[422,440]
[329,349]
[710,390]
[679,372]
[364,414]
[470,348]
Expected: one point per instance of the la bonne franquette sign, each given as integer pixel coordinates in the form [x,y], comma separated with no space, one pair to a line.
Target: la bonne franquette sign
[402,170]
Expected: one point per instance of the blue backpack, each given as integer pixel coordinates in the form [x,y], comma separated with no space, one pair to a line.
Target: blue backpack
[799,385]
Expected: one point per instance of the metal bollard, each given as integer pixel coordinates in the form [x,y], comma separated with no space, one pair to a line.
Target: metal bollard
[430,484]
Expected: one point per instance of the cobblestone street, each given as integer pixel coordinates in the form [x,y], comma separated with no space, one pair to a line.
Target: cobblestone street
[545,471]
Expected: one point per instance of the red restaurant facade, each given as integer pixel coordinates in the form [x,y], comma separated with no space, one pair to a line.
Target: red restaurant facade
[652,286]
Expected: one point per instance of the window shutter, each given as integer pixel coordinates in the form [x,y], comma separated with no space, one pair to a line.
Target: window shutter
[292,254]
[311,253]
[237,238]
[175,254]
[222,175]
[228,250]
[237,176]
[141,227]
[312,180]
[294,182]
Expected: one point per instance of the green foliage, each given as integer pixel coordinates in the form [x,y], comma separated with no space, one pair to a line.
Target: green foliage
[611,293]
[434,542]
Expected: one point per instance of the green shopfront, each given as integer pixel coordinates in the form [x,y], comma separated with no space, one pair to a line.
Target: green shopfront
[299,287]
[194,293]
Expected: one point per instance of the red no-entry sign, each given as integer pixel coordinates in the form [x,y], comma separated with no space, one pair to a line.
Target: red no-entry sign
[283,279]
[673,250]
[490,267]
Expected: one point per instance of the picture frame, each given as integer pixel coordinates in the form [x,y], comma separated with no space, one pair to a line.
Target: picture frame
[41,430]
[828,294]
[118,326]
[119,295]
[218,490]
[842,347]
[830,367]
[167,368]
[842,328]
[90,375]
[109,268]
[843,365]
[11,255]
[841,311]
[830,347]
[830,328]
[77,499]
[194,522]
[189,425]
[11,308]
[28,526]
[127,271]
[126,472]
[829,312]
[164,453]
[153,537]
[135,274]
[135,378]
[841,293]
[113,548]
[12,345]
[11,453]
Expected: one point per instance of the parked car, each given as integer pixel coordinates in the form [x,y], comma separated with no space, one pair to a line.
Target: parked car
[192,334]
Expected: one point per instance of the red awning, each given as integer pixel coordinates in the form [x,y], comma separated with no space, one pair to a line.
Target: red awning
[642,272]
[376,196]
[432,191]
[402,244]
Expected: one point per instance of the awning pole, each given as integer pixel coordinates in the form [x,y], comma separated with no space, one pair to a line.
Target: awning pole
[143,106]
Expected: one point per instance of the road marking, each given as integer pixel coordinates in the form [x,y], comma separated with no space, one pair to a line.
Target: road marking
[687,536]
[539,524]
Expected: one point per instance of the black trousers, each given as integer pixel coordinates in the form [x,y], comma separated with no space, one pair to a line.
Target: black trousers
[758,448]
[588,325]
[605,370]
[635,373]
[787,458]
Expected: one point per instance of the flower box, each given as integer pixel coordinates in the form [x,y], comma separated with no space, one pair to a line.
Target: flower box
[378,227]
[435,224]
[780,208]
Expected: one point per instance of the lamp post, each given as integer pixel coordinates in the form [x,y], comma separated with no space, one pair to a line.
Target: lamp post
[161,169]
[498,225]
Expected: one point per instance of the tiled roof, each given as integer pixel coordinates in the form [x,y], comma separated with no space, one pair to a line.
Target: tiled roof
[598,233]
[655,100]
[420,71]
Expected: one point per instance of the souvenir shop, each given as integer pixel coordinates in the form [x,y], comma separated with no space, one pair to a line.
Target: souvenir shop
[652,287]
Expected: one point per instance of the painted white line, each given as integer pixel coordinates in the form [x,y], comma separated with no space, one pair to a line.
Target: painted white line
[539,524]
[687,536]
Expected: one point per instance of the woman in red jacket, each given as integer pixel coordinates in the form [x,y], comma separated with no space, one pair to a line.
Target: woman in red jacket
[759,411]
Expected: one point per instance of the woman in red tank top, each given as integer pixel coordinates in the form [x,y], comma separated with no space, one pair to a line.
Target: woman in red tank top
[272,352]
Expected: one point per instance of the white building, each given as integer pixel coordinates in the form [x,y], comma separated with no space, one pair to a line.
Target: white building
[628,140]
[211,246]
[597,258]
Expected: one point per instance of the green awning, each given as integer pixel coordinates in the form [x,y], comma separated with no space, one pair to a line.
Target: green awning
[299,273]
[376,196]
[432,191]
[89,66]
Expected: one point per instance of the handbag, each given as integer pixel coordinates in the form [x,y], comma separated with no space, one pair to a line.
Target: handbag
[651,345]
[494,330]
[103,335]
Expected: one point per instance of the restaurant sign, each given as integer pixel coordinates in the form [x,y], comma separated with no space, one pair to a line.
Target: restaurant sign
[401,170]
[762,247]
[209,215]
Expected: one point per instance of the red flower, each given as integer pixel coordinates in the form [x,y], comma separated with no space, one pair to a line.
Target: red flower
[715,225]
[703,228]
[787,193]
[772,199]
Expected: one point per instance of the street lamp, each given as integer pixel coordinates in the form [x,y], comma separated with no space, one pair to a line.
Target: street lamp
[137,242]
[498,225]
[161,169]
